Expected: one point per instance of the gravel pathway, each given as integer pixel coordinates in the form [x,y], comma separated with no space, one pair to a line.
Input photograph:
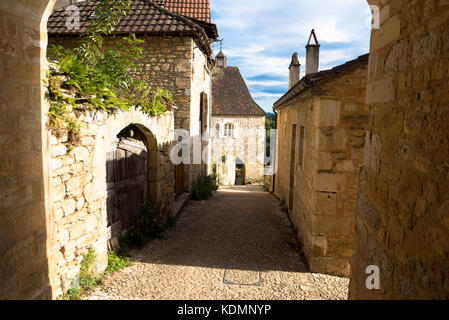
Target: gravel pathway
[237,245]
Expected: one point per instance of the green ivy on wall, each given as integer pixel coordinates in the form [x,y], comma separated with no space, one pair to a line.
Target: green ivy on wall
[98,78]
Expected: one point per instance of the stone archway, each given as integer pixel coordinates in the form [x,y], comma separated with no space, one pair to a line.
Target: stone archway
[131,168]
[25,220]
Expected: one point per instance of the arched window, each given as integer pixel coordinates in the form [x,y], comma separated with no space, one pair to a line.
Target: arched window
[228,130]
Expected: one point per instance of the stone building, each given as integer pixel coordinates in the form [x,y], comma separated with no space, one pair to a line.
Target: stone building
[177,57]
[402,224]
[238,128]
[321,125]
[402,216]
[59,202]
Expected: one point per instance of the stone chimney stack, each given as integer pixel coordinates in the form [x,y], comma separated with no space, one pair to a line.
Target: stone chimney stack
[221,59]
[312,54]
[295,71]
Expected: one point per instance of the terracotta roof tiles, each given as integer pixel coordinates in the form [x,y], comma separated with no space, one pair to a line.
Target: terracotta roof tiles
[231,96]
[144,17]
[195,9]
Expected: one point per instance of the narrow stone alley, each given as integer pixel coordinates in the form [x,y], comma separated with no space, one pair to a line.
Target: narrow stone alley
[237,245]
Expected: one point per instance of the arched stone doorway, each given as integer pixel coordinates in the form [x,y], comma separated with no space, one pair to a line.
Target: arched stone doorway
[128,173]
[240,172]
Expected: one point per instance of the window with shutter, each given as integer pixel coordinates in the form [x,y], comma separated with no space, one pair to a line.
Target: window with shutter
[203,112]
[229,130]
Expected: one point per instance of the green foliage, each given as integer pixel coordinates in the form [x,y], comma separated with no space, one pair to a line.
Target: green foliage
[102,79]
[87,280]
[203,188]
[116,262]
[72,294]
[283,206]
[61,122]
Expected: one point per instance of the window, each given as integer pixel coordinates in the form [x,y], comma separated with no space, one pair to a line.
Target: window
[301,146]
[203,111]
[217,130]
[228,130]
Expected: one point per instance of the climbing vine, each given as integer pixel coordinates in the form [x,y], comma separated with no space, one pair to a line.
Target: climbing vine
[101,79]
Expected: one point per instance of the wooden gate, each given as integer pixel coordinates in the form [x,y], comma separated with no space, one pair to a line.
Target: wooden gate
[127,186]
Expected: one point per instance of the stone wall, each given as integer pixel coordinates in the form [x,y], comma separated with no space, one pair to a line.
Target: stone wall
[23,171]
[322,131]
[248,145]
[402,223]
[201,82]
[78,215]
[178,65]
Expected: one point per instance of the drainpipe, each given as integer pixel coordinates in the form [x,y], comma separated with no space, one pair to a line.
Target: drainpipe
[275,154]
[210,101]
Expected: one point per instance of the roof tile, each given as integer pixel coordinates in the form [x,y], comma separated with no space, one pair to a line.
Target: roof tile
[231,95]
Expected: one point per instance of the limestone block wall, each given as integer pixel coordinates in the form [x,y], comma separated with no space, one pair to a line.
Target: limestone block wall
[402,221]
[201,82]
[23,183]
[248,145]
[78,212]
[321,139]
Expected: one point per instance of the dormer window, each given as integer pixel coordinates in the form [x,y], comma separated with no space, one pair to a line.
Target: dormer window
[229,130]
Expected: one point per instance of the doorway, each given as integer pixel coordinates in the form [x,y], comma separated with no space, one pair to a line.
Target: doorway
[239,174]
[127,173]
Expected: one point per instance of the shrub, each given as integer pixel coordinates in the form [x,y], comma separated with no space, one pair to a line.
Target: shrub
[72,294]
[203,188]
[153,221]
[116,262]
[283,206]
[100,78]
[87,280]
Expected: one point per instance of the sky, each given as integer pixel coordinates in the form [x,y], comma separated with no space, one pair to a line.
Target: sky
[260,36]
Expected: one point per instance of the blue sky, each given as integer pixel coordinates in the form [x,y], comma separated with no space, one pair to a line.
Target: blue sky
[260,37]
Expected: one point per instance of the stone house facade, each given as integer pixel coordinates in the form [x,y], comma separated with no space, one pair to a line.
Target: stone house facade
[238,128]
[321,125]
[177,57]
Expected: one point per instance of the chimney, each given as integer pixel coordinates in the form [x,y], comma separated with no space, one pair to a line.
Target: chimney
[295,70]
[221,60]
[312,55]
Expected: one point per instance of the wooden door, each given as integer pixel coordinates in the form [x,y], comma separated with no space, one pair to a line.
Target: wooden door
[127,184]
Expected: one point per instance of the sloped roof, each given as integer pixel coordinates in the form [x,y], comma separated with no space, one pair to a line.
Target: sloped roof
[195,9]
[310,80]
[144,17]
[230,95]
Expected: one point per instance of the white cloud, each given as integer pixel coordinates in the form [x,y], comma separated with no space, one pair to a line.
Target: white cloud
[261,35]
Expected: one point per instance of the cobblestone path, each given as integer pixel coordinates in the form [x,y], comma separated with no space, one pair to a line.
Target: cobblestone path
[237,245]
